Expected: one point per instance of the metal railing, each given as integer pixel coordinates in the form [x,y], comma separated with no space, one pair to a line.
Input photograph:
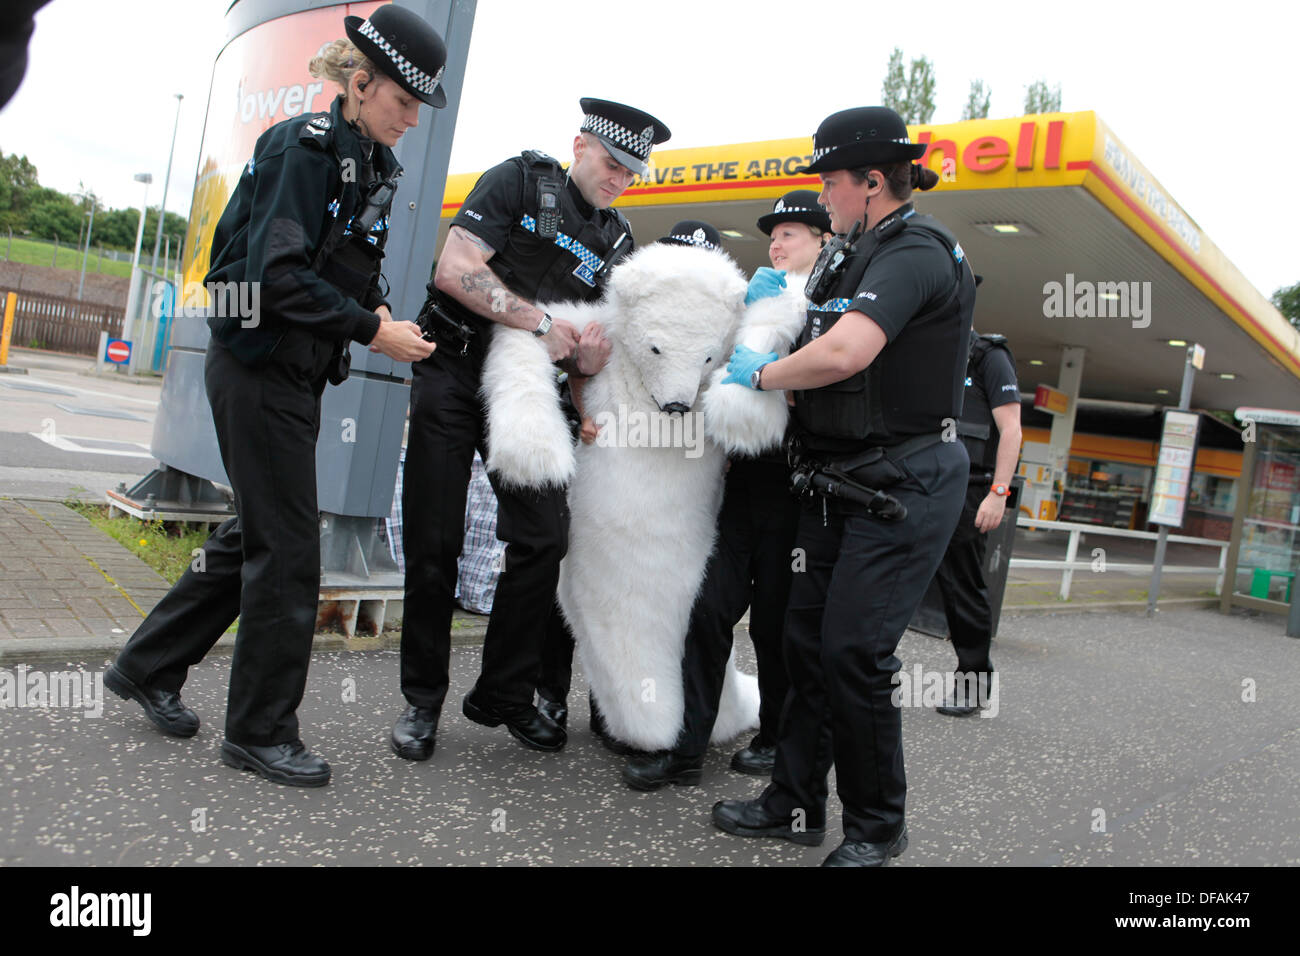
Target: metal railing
[1072,562]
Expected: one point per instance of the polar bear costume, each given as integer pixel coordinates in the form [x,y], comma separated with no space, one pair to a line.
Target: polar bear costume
[644,498]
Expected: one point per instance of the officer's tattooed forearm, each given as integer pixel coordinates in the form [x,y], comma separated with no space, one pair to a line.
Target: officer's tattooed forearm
[485,283]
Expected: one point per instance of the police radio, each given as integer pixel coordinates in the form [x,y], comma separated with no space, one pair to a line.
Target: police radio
[548,207]
[827,268]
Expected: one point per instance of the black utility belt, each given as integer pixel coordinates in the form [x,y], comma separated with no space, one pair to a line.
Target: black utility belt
[880,466]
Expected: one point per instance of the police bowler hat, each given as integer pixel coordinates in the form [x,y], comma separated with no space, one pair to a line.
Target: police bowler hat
[693,232]
[402,46]
[627,133]
[798,205]
[863,136]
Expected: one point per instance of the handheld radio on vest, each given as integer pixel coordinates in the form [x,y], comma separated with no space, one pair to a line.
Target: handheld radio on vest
[548,207]
[828,265]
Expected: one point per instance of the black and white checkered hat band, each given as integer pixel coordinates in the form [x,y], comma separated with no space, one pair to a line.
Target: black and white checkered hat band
[781,208]
[693,241]
[819,153]
[420,81]
[638,144]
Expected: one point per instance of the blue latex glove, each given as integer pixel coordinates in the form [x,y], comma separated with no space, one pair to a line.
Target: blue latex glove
[744,362]
[766,282]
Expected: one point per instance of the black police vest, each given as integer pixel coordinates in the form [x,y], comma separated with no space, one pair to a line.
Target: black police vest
[351,255]
[570,266]
[976,428]
[884,404]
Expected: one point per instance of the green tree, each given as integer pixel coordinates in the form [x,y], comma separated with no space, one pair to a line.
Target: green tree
[977,104]
[18,181]
[910,96]
[1287,301]
[1039,98]
[53,214]
[920,91]
[893,92]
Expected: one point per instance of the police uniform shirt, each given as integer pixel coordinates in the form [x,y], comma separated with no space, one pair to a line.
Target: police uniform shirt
[909,276]
[495,211]
[989,384]
[288,198]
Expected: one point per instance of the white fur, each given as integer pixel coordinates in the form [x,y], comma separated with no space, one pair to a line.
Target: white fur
[643,519]
[737,420]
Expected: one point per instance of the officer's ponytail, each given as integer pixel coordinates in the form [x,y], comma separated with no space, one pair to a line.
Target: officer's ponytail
[923,177]
[337,61]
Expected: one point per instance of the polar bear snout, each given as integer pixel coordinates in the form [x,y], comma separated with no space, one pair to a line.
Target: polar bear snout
[675,408]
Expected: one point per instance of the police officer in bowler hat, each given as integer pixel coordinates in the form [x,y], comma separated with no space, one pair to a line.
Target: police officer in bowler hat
[877,376]
[307,222]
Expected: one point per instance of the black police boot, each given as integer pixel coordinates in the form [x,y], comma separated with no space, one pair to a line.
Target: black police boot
[651,771]
[758,759]
[288,763]
[555,711]
[958,705]
[164,708]
[853,853]
[748,818]
[413,733]
[525,724]
[601,730]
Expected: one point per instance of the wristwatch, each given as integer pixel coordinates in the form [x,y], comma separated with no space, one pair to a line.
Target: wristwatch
[545,325]
[754,377]
[1001,490]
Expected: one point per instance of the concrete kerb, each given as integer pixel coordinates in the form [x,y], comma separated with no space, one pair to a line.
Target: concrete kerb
[467,629]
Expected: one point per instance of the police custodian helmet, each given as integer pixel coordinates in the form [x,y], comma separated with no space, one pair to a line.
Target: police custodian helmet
[863,136]
[798,205]
[626,132]
[403,47]
[693,232]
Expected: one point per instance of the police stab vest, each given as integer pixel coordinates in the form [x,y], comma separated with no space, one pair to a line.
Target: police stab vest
[575,262]
[884,404]
[976,427]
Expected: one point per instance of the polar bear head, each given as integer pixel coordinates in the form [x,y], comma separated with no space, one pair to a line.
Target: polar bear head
[674,313]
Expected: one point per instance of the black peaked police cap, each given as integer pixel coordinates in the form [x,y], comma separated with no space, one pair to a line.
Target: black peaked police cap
[403,47]
[798,205]
[627,133]
[693,232]
[863,136]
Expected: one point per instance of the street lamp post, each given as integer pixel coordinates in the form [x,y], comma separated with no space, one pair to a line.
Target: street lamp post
[133,292]
[162,210]
[81,287]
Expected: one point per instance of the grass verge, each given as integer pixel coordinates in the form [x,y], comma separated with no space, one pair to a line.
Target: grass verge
[166,546]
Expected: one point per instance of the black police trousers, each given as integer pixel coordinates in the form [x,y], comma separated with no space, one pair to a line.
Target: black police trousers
[447,424]
[847,613]
[262,565]
[750,568]
[962,586]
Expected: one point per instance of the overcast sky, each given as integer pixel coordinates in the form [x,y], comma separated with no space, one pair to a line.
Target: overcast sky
[1204,94]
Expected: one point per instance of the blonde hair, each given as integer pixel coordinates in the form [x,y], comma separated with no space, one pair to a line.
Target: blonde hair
[338,60]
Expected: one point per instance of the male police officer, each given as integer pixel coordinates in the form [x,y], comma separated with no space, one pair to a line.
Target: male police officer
[527,233]
[992,403]
[877,373]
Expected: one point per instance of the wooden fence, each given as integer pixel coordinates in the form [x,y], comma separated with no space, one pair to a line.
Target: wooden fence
[62,324]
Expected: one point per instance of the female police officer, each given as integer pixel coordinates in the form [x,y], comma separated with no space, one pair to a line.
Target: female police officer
[307,224]
[877,375]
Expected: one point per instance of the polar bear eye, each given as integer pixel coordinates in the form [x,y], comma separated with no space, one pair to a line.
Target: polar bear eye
[655,349]
[708,360]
